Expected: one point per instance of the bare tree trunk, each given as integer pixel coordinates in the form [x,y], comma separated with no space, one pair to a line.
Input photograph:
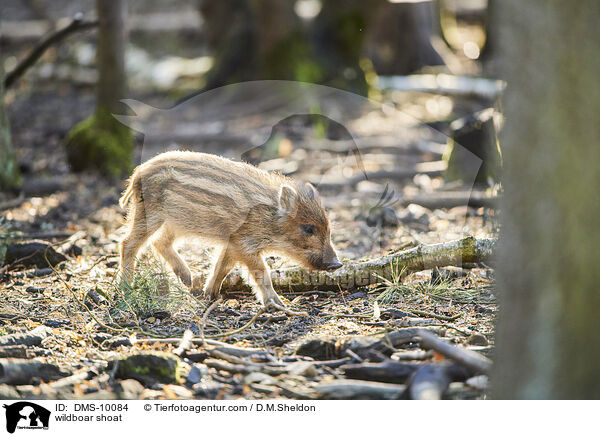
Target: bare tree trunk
[110,57]
[490,49]
[101,143]
[548,343]
[400,37]
[9,170]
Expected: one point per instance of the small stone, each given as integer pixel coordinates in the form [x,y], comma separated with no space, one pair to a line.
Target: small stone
[477,339]
[101,337]
[197,372]
[259,377]
[356,295]
[176,391]
[117,342]
[208,389]
[306,369]
[478,382]
[8,392]
[129,389]
[161,314]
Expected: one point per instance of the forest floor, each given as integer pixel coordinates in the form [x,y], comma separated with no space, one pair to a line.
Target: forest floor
[93,325]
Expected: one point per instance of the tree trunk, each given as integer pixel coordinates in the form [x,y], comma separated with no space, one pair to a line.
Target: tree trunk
[400,40]
[489,51]
[10,177]
[547,337]
[110,56]
[265,39]
[101,143]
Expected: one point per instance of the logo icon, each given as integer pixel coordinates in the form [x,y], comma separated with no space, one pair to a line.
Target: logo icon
[26,415]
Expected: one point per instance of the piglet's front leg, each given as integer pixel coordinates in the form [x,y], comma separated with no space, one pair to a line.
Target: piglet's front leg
[263,286]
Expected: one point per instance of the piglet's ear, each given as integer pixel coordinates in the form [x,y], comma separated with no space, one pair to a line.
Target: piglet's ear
[313,194]
[287,198]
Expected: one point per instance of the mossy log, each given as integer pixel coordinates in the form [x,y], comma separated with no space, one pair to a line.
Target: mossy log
[358,274]
[100,143]
[150,368]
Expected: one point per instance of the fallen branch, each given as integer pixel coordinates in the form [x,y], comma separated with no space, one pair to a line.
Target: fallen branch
[77,24]
[429,382]
[232,368]
[432,169]
[445,84]
[22,351]
[354,275]
[358,274]
[348,389]
[23,372]
[450,199]
[34,253]
[467,358]
[387,371]
[10,204]
[71,380]
[219,346]
[32,338]
[363,346]
[185,344]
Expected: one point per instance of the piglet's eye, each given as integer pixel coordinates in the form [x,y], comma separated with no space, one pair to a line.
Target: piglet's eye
[308,229]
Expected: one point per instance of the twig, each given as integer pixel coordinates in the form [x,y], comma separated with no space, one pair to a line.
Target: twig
[205,316]
[467,358]
[354,356]
[433,315]
[241,329]
[77,24]
[10,204]
[288,311]
[43,236]
[186,343]
[100,323]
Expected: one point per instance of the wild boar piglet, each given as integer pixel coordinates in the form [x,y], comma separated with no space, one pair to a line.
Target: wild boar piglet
[244,212]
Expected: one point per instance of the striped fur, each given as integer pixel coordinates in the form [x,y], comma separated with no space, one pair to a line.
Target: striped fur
[242,210]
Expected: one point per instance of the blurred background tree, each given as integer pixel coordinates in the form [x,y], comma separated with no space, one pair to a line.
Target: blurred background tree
[10,177]
[101,143]
[547,334]
[327,42]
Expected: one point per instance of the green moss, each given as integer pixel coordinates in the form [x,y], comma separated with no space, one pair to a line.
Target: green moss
[292,59]
[100,143]
[10,177]
[149,368]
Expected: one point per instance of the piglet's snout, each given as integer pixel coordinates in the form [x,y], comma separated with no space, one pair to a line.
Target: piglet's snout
[331,261]
[334,265]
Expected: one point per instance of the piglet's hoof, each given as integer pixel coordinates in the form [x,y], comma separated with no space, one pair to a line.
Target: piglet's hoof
[274,303]
[271,305]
